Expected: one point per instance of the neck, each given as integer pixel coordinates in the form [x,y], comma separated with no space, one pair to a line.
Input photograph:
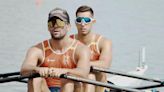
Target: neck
[86,39]
[60,45]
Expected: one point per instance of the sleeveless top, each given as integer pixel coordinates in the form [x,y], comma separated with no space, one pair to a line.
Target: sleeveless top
[95,53]
[58,60]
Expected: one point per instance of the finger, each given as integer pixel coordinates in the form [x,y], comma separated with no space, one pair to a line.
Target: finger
[54,73]
[58,74]
[41,73]
[50,72]
[46,72]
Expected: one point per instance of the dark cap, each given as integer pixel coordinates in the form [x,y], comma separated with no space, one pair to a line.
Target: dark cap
[60,13]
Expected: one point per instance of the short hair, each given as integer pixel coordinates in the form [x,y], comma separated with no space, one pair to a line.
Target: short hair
[85,8]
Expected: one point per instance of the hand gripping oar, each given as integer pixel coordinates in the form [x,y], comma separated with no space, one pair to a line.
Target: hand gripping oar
[74,79]
[125,74]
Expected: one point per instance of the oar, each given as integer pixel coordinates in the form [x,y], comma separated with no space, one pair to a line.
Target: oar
[124,74]
[18,78]
[12,74]
[74,79]
[149,86]
[9,74]
[100,83]
[23,81]
[101,70]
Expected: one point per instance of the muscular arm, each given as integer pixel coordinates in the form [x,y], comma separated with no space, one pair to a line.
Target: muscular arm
[105,48]
[82,56]
[31,60]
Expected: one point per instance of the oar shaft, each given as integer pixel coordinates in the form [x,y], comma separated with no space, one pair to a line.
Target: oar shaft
[149,86]
[100,83]
[124,74]
[74,79]
[18,78]
[23,81]
[9,74]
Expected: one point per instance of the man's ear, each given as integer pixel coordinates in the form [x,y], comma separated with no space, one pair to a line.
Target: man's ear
[94,20]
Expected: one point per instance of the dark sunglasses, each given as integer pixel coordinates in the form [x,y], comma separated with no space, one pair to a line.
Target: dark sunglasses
[85,20]
[56,21]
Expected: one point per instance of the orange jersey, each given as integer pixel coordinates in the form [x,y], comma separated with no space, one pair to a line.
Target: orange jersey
[58,60]
[95,53]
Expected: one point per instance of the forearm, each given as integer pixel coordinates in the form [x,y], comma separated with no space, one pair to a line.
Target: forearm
[79,72]
[99,63]
[27,69]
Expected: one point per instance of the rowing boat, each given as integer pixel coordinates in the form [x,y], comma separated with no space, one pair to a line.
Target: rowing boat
[127,81]
[140,70]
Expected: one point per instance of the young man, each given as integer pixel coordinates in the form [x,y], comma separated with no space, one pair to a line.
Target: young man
[100,47]
[55,56]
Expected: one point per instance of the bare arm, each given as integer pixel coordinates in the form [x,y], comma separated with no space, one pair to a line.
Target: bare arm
[31,60]
[105,48]
[83,58]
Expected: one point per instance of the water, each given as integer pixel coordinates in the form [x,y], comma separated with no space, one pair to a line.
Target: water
[130,24]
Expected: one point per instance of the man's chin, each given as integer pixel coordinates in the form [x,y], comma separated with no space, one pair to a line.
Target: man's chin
[57,38]
[84,34]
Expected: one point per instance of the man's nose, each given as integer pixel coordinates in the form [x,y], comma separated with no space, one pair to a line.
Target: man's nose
[55,25]
[83,22]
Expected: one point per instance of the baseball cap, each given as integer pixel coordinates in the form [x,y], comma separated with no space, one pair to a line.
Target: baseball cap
[60,13]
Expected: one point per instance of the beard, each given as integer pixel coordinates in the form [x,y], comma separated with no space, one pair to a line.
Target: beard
[57,38]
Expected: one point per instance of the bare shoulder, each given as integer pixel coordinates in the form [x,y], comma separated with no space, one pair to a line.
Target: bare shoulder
[36,50]
[105,42]
[82,55]
[82,47]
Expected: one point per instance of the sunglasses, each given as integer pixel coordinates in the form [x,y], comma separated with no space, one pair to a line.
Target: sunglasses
[56,21]
[85,20]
